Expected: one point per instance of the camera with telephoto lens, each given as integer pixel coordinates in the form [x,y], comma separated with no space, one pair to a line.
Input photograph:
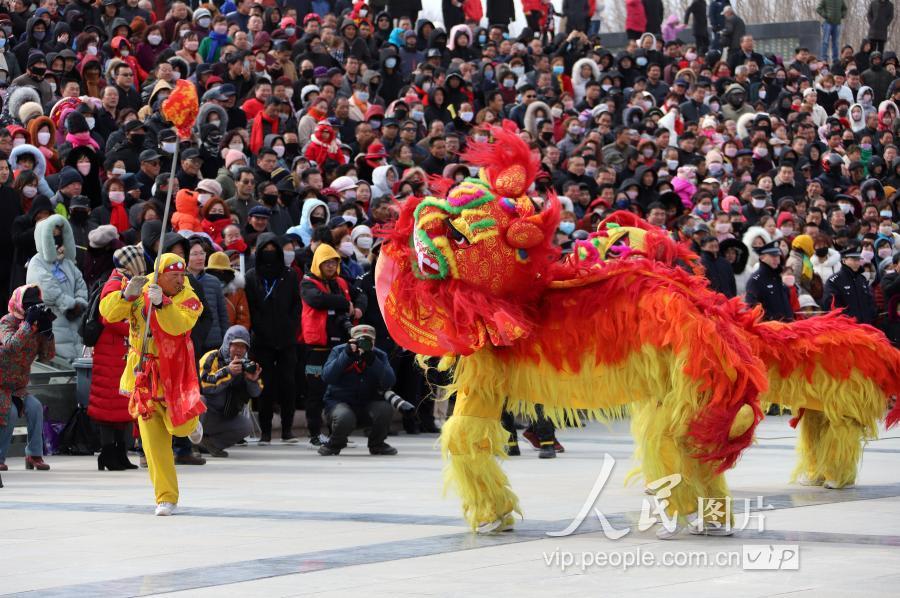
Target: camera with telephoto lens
[397,402]
[248,366]
[364,343]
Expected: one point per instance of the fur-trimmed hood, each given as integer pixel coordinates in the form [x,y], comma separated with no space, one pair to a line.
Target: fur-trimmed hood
[204,113]
[43,238]
[531,119]
[17,97]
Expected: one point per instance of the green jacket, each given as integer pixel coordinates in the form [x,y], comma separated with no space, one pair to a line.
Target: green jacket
[833,11]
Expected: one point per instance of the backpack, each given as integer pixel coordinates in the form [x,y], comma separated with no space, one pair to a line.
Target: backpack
[91,326]
[79,436]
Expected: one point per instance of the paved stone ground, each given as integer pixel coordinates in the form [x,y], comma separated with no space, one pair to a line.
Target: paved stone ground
[282,521]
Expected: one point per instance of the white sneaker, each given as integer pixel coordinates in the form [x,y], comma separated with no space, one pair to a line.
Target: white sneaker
[197,435]
[489,527]
[710,528]
[165,509]
[807,481]
[832,485]
[649,491]
[664,533]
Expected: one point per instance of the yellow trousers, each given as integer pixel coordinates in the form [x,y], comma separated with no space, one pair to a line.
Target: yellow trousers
[156,437]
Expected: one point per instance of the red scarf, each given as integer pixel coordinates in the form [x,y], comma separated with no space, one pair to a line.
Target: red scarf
[118,217]
[256,134]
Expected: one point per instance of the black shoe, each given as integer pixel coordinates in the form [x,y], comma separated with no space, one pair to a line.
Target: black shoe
[429,427]
[326,450]
[212,450]
[409,426]
[122,454]
[382,449]
[190,459]
[108,459]
[316,440]
[547,452]
[513,450]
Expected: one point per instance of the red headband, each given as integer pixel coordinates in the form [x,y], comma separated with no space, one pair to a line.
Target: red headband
[174,267]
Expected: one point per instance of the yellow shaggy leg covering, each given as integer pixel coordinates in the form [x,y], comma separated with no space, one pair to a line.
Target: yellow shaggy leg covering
[472,446]
[828,450]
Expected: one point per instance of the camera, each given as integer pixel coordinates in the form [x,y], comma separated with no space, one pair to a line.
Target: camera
[397,402]
[364,343]
[248,366]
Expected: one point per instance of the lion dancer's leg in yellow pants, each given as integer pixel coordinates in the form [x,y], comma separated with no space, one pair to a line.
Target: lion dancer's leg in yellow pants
[828,451]
[156,437]
[472,441]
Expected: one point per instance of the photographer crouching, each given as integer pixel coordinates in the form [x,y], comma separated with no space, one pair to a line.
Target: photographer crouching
[228,380]
[357,374]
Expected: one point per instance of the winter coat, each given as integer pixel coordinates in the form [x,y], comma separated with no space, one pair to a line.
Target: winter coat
[61,283]
[276,314]
[236,302]
[106,403]
[890,287]
[833,11]
[187,210]
[356,380]
[879,17]
[654,12]
[404,8]
[850,290]
[216,387]
[20,345]
[40,166]
[719,273]
[766,288]
[635,16]
[326,303]
[215,302]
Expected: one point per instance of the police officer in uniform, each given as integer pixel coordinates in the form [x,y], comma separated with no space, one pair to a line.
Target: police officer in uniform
[849,289]
[766,288]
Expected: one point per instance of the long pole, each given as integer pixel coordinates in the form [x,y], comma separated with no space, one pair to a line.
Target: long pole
[159,252]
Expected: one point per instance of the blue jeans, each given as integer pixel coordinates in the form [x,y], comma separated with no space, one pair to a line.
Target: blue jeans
[834,32]
[594,28]
[34,416]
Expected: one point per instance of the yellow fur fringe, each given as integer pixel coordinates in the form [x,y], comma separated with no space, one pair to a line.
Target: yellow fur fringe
[471,447]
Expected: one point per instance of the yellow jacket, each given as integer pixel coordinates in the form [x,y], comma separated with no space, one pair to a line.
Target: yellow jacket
[177,316]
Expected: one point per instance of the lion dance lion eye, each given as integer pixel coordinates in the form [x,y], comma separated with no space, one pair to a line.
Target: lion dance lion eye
[454,233]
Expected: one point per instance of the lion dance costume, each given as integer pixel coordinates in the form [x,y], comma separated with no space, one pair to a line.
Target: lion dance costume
[163,392]
[620,326]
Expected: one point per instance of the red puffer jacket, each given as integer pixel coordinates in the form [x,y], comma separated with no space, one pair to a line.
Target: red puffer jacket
[106,403]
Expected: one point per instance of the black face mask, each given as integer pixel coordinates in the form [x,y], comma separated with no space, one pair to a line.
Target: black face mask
[79,216]
[215,217]
[291,149]
[307,73]
[269,200]
[58,240]
[269,264]
[38,72]
[821,252]
[548,137]
[138,139]
[316,220]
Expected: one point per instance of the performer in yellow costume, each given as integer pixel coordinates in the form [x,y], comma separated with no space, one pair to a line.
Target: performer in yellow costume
[161,382]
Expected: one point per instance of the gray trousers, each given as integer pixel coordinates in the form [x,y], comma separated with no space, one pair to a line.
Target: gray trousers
[222,432]
[342,419]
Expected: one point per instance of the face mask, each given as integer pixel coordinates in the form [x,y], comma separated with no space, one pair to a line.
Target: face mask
[518,70]
[2,42]
[168,147]
[124,53]
[316,220]
[567,227]
[18,141]
[288,257]
[38,72]
[788,280]
[346,249]
[375,123]
[117,196]
[762,152]
[758,203]
[39,35]
[364,242]
[269,199]
[390,62]
[869,276]
[154,40]
[204,22]
[723,227]
[417,115]
[787,231]
[480,138]
[203,198]
[190,46]
[90,122]
[641,61]
[845,207]
[730,152]
[690,56]
[508,83]
[362,96]
[704,208]
[84,168]
[279,149]
[558,69]
[887,231]
[631,194]
[884,253]
[43,137]
[715,169]
[886,214]
[672,165]
[92,50]
[118,172]
[467,116]
[714,107]
[866,255]
[556,112]
[821,252]
[236,146]
[29,191]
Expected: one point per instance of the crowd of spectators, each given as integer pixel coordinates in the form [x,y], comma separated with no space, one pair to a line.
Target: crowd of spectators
[318,119]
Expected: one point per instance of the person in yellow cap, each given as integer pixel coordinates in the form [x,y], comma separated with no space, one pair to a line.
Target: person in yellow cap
[161,382]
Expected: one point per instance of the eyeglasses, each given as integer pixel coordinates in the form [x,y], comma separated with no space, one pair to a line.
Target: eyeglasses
[409,130]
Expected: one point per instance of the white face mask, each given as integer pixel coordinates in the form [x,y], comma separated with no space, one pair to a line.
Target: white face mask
[467,116]
[203,198]
[758,203]
[884,253]
[29,191]
[92,50]
[236,146]
[887,231]
[124,53]
[346,249]
[168,147]
[351,218]
[117,196]
[845,207]
[154,40]
[204,22]
[18,141]
[672,165]
[288,257]
[364,242]
[90,122]
[118,172]
[43,137]
[279,150]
